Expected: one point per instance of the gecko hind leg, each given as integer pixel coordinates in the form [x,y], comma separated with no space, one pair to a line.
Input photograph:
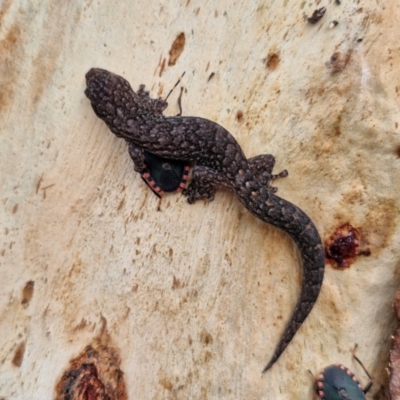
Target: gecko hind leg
[202,186]
[262,166]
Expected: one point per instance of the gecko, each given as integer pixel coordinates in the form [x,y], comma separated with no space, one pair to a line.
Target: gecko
[218,161]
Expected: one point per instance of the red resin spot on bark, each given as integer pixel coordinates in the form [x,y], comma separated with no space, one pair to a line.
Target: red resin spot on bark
[93,375]
[343,246]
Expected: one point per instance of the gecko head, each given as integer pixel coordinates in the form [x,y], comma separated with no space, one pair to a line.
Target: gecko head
[107,92]
[100,82]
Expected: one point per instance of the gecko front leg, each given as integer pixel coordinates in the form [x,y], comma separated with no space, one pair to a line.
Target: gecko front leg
[137,157]
[261,166]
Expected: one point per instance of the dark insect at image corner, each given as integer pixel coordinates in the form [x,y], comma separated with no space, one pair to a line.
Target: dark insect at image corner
[337,382]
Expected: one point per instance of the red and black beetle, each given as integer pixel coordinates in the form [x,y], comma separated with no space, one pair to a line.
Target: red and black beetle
[337,382]
[163,175]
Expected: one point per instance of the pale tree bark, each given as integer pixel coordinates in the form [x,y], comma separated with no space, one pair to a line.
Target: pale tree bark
[194,298]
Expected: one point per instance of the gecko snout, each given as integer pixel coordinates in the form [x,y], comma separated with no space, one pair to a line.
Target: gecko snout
[93,73]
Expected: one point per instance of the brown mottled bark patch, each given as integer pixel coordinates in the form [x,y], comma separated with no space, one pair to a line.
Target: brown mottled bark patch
[239,116]
[176,49]
[94,375]
[19,355]
[339,61]
[272,61]
[27,293]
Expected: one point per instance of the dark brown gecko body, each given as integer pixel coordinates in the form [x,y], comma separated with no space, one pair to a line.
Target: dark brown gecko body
[219,160]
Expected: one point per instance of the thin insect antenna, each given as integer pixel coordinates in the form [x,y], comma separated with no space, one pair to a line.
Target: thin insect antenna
[180,102]
[176,84]
[362,366]
[366,389]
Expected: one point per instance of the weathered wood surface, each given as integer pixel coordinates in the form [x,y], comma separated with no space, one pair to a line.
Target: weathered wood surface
[196,297]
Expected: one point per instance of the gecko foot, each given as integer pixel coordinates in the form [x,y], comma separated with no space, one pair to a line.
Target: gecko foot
[282,174]
[273,189]
[262,166]
[202,185]
[156,106]
[197,192]
[142,92]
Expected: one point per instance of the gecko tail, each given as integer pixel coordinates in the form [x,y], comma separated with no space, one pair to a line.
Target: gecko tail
[290,331]
[296,223]
[313,275]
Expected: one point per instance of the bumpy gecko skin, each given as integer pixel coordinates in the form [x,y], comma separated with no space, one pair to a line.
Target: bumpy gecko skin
[218,160]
